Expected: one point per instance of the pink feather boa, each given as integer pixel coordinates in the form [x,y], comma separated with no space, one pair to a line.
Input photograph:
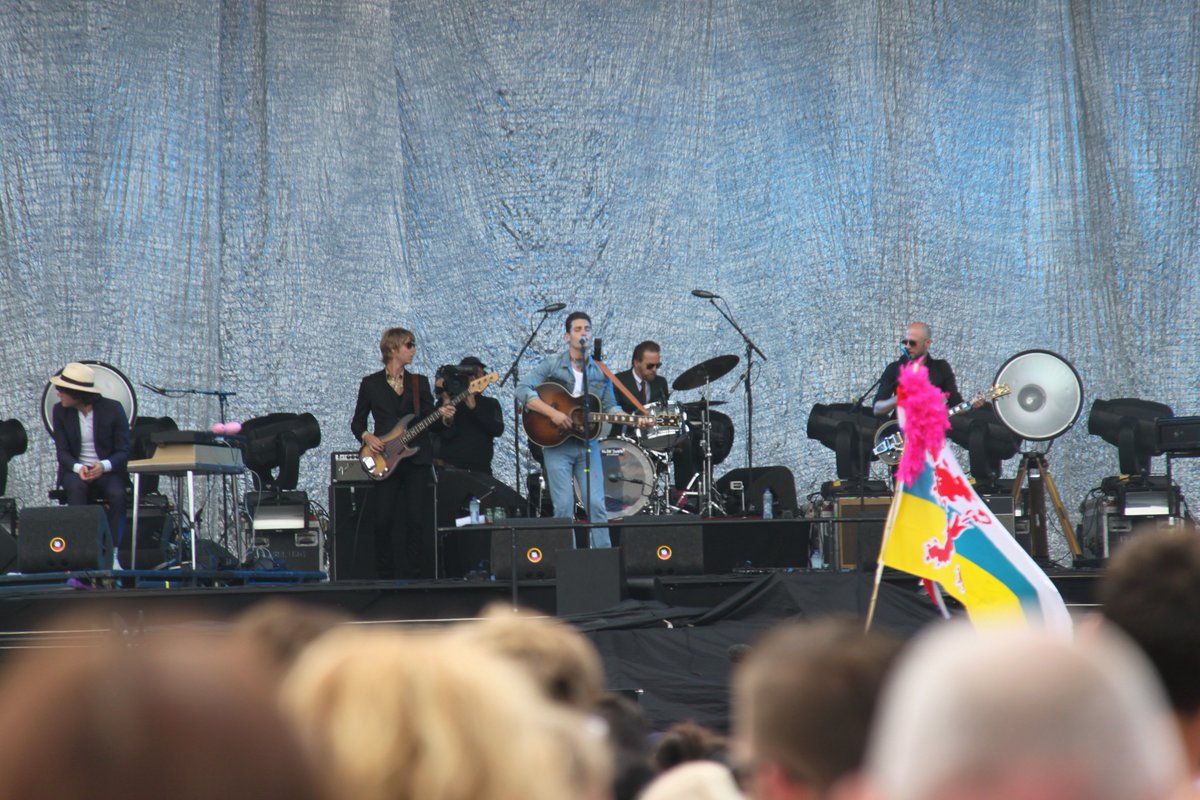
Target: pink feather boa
[926,420]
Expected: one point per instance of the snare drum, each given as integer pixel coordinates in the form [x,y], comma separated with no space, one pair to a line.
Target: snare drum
[629,478]
[663,437]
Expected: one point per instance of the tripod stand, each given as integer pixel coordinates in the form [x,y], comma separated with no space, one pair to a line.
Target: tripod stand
[1034,467]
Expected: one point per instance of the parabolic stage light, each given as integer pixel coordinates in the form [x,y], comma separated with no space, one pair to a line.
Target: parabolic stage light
[13,441]
[1131,426]
[988,443]
[277,441]
[849,431]
[1047,395]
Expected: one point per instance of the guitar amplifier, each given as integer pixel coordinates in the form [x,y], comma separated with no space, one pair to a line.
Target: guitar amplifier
[346,469]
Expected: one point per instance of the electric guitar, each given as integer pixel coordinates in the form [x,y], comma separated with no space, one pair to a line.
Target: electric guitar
[396,441]
[889,441]
[543,431]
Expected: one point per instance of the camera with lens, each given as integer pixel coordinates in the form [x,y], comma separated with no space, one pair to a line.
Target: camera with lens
[455,379]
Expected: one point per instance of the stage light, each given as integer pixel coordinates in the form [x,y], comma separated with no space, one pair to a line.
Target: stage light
[848,430]
[1131,426]
[13,441]
[987,441]
[276,441]
[1046,397]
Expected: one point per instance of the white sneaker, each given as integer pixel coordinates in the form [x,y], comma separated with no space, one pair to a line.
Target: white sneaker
[116,563]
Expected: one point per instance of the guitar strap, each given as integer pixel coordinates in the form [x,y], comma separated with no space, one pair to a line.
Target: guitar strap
[416,394]
[624,390]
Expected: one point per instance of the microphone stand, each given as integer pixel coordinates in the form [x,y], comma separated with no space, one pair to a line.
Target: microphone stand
[587,436]
[514,373]
[751,349]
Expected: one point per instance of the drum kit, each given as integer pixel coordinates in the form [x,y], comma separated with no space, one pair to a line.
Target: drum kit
[636,466]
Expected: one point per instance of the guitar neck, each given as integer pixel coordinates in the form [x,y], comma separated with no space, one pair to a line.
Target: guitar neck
[420,427]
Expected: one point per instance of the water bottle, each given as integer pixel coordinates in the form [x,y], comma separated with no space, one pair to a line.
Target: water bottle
[475,519]
[816,560]
[768,504]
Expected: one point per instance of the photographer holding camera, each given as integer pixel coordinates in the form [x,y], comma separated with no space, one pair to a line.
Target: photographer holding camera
[468,442]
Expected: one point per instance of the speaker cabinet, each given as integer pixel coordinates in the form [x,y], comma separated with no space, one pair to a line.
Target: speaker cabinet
[155,529]
[64,538]
[353,532]
[589,580]
[8,534]
[859,541]
[537,544]
[743,489]
[662,549]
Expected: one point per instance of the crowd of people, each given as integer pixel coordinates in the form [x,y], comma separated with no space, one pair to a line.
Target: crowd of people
[294,702]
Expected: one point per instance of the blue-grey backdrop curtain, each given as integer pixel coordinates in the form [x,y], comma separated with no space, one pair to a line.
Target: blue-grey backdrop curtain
[242,195]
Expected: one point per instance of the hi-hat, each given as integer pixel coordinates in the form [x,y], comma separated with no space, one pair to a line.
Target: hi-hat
[704,372]
[697,405]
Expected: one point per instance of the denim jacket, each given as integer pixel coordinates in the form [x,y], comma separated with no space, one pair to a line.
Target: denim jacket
[557,369]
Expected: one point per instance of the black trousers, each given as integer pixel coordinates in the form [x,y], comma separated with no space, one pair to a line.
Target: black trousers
[110,488]
[404,523]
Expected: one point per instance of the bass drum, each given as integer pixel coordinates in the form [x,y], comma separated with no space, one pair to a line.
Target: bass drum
[111,382]
[629,478]
[722,435]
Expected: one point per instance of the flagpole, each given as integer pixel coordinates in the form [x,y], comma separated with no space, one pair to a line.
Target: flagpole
[887,531]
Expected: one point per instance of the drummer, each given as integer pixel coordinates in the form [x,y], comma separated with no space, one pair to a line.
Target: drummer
[643,380]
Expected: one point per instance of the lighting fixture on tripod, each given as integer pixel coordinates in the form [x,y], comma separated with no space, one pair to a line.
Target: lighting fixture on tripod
[1046,398]
[13,441]
[848,430]
[1131,426]
[276,441]
[988,443]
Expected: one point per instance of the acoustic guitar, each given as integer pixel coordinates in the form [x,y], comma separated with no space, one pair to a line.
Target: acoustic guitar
[889,441]
[542,430]
[396,442]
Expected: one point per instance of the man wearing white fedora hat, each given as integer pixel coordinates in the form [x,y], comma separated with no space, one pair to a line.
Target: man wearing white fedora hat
[91,437]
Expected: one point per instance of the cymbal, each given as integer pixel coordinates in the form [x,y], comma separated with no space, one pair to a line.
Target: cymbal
[704,372]
[696,405]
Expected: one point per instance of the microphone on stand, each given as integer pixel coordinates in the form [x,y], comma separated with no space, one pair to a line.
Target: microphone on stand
[153,388]
[704,294]
[550,309]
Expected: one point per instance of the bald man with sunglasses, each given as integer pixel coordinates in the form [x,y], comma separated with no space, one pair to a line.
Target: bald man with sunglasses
[917,339]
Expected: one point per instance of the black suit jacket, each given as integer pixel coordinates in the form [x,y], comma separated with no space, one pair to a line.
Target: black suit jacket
[659,392]
[379,401]
[110,427]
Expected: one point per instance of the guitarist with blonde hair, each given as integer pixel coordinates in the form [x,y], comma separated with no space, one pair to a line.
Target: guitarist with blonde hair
[404,526]
[569,458]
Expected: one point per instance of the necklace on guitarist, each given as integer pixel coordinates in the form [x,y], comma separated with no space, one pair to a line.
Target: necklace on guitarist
[396,382]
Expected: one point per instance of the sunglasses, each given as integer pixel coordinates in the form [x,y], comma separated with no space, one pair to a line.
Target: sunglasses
[909,342]
[410,345]
[652,366]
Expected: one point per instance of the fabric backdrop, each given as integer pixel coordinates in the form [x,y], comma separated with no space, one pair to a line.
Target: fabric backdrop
[243,195]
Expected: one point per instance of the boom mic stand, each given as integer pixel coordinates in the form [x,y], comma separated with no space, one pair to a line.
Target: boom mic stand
[513,372]
[751,349]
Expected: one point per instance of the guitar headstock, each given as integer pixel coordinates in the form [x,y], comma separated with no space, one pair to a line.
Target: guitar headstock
[479,384]
[999,390]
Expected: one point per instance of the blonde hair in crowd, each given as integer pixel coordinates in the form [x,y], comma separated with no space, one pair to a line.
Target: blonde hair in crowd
[401,716]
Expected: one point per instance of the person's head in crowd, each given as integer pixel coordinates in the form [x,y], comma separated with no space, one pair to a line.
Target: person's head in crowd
[688,741]
[803,702]
[695,780]
[283,628]
[164,717]
[629,738]
[1018,714]
[403,716]
[559,658]
[1151,591]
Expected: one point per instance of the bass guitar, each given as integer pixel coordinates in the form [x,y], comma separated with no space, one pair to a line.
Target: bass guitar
[889,441]
[396,441]
[543,431]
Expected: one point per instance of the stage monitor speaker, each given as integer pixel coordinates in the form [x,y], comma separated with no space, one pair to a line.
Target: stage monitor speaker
[296,550]
[589,580]
[8,534]
[743,489]
[353,532]
[662,549]
[537,544]
[859,542]
[64,538]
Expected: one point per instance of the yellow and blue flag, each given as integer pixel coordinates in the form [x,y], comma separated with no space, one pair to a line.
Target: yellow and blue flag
[941,530]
